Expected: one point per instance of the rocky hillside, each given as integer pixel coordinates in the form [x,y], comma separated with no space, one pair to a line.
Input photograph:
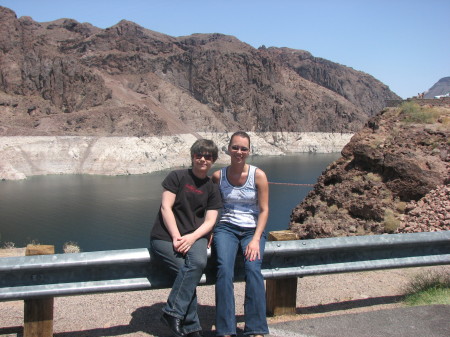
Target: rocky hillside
[393,176]
[441,87]
[70,78]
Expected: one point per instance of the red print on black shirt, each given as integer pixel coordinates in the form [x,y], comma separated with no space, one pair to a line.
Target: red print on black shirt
[193,189]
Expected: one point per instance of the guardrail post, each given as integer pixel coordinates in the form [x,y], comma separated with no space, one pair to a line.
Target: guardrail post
[281,294]
[38,314]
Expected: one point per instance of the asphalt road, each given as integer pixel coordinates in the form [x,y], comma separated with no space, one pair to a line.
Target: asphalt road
[423,321]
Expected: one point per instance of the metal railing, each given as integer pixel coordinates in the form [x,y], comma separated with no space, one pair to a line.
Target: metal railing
[41,276]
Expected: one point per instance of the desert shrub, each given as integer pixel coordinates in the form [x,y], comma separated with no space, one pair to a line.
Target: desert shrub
[333,209]
[343,211]
[426,280]
[409,108]
[414,113]
[360,231]
[71,247]
[9,245]
[431,287]
[390,222]
[376,143]
[445,120]
[400,206]
[373,177]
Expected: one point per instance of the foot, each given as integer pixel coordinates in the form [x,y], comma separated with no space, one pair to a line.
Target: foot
[195,334]
[173,323]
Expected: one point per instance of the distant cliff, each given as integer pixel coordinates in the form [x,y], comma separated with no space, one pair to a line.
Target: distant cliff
[441,87]
[65,78]
[393,176]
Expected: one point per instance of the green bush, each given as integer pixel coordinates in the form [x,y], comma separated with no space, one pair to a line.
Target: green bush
[414,113]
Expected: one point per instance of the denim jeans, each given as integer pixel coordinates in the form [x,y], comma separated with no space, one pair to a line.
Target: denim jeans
[228,239]
[187,271]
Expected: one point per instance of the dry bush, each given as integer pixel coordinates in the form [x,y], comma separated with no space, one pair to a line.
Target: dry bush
[9,245]
[390,222]
[427,280]
[71,247]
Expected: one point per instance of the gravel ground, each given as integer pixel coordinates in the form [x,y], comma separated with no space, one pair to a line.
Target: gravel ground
[137,313]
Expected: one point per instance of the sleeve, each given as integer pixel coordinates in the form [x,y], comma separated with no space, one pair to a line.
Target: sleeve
[171,182]
[215,199]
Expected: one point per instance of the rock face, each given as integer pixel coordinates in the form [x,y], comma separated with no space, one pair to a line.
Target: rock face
[69,78]
[393,176]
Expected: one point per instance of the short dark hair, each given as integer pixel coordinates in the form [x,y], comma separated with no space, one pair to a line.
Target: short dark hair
[205,146]
[242,134]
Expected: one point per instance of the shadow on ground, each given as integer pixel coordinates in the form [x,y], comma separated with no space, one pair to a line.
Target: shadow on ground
[146,319]
[346,305]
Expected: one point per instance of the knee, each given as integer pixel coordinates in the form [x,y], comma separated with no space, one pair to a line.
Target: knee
[252,268]
[198,262]
[225,271]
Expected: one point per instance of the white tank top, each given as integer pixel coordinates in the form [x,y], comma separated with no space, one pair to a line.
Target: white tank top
[240,203]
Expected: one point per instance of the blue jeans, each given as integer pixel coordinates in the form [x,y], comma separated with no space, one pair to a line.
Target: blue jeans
[187,271]
[227,240]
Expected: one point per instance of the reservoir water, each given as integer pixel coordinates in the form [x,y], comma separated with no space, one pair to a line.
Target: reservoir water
[106,213]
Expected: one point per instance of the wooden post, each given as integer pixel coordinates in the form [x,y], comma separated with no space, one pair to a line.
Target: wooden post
[38,313]
[281,294]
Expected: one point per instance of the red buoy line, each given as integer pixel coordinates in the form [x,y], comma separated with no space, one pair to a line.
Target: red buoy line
[290,184]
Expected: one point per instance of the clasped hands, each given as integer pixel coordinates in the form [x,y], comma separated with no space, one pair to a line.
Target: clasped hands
[183,244]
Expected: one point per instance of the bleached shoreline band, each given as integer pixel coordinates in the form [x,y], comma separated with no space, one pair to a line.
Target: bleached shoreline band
[35,155]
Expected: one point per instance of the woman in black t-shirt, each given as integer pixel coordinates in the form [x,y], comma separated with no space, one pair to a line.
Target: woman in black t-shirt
[179,238]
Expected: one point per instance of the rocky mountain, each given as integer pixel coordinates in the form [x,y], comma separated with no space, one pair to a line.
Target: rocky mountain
[70,78]
[441,87]
[393,176]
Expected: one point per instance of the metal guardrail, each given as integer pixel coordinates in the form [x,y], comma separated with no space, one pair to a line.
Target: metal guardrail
[40,276]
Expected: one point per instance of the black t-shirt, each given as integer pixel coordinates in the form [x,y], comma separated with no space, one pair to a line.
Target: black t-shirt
[194,197]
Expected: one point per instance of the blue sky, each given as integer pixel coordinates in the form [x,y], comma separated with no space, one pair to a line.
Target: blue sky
[404,44]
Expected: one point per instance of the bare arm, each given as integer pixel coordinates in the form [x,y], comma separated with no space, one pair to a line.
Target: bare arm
[167,202]
[252,252]
[186,241]
[216,177]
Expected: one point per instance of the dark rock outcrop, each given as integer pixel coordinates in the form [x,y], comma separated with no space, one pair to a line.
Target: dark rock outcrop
[31,66]
[70,78]
[400,156]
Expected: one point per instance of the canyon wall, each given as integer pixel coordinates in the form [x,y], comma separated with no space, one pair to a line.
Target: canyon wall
[65,78]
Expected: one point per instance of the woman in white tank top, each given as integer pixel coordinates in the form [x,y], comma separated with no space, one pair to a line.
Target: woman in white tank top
[245,196]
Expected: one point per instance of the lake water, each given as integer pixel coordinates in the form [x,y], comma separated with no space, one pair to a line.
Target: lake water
[106,213]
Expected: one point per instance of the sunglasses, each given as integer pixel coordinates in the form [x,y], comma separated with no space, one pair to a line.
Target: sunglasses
[207,156]
[237,148]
